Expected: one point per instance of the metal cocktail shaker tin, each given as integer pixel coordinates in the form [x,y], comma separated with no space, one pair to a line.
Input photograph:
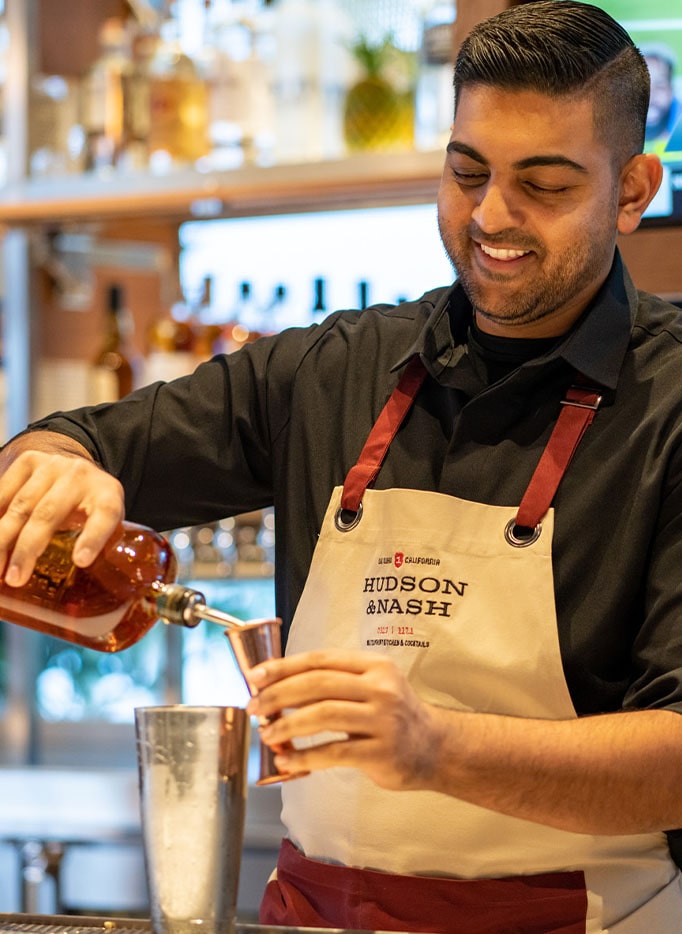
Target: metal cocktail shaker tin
[192,764]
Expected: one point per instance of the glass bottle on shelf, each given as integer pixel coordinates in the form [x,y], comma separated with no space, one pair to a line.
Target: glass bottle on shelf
[236,75]
[112,374]
[170,346]
[103,97]
[319,309]
[137,109]
[178,103]
[245,322]
[311,69]
[276,313]
[206,332]
[434,107]
[56,140]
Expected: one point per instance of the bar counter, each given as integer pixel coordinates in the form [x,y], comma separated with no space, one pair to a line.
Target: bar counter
[71,924]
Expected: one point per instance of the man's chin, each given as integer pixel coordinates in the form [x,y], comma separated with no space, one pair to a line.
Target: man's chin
[508,316]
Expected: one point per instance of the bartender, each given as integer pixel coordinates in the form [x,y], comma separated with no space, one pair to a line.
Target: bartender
[479,527]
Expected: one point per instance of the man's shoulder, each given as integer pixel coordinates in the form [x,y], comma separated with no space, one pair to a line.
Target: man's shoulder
[657,316]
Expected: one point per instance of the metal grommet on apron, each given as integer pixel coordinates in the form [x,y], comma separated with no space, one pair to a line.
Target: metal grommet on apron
[519,536]
[345,519]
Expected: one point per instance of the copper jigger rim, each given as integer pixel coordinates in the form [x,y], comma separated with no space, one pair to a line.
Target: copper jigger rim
[255,624]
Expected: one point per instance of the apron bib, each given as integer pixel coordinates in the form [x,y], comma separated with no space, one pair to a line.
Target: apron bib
[460,595]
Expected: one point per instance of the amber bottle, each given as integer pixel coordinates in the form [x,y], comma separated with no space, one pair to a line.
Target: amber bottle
[110,605]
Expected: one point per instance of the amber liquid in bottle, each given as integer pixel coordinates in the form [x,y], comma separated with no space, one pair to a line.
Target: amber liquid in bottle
[108,606]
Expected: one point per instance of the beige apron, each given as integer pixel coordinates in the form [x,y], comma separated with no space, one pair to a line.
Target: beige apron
[465,608]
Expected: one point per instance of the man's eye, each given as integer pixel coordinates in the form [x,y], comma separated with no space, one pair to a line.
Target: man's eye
[469,178]
[546,189]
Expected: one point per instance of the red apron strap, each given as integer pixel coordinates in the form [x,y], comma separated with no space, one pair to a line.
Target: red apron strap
[578,409]
[384,431]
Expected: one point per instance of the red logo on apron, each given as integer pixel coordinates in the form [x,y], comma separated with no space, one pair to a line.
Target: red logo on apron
[398,558]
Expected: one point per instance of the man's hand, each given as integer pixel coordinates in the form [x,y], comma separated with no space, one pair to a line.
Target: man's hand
[618,773]
[393,736]
[50,482]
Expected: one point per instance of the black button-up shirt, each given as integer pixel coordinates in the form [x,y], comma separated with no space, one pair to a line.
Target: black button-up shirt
[283,420]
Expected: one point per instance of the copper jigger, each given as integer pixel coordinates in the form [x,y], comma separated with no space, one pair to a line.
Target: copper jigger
[251,643]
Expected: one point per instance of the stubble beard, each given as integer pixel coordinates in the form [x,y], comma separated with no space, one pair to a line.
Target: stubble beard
[540,297]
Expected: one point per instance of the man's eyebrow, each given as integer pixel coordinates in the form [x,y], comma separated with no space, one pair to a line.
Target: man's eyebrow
[463,149]
[550,160]
[530,163]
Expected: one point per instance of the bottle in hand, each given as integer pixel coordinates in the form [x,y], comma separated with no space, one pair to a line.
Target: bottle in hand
[107,606]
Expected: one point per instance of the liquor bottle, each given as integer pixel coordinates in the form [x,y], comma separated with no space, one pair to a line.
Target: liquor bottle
[434,106]
[237,78]
[206,331]
[111,375]
[277,313]
[112,604]
[311,71]
[136,104]
[363,295]
[170,346]
[245,323]
[56,141]
[103,97]
[178,104]
[319,309]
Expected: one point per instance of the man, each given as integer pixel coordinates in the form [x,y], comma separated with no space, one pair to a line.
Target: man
[491,481]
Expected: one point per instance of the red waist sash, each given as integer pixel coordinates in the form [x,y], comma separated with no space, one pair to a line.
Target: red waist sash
[310,893]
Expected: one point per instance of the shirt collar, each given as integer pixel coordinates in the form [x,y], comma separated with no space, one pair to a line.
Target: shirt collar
[595,346]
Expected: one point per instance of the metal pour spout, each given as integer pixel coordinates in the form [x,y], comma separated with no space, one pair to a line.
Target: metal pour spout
[186,607]
[211,615]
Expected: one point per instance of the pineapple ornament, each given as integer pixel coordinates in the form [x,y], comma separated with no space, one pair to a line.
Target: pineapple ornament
[379,107]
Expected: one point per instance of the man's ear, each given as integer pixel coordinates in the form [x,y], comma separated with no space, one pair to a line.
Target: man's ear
[639,182]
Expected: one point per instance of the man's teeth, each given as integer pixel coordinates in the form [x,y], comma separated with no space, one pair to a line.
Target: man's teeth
[502,254]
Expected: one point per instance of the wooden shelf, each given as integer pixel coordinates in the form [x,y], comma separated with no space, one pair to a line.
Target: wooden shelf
[367,180]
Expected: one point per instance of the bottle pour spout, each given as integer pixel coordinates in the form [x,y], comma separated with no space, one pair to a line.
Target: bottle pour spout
[187,607]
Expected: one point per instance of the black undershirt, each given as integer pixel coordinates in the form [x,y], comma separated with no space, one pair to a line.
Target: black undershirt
[494,357]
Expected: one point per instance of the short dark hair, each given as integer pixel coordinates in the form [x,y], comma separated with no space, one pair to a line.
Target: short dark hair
[562,48]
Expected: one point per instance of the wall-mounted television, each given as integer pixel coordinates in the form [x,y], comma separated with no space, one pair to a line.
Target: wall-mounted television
[656,27]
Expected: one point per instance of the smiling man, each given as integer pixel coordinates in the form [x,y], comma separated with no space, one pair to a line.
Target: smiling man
[541,174]
[479,528]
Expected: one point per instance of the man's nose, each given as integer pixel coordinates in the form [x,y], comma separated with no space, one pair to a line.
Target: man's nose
[495,210]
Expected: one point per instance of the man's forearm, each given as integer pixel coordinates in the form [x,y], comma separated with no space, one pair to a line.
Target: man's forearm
[616,773]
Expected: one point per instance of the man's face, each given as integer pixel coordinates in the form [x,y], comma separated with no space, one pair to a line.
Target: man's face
[527,209]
